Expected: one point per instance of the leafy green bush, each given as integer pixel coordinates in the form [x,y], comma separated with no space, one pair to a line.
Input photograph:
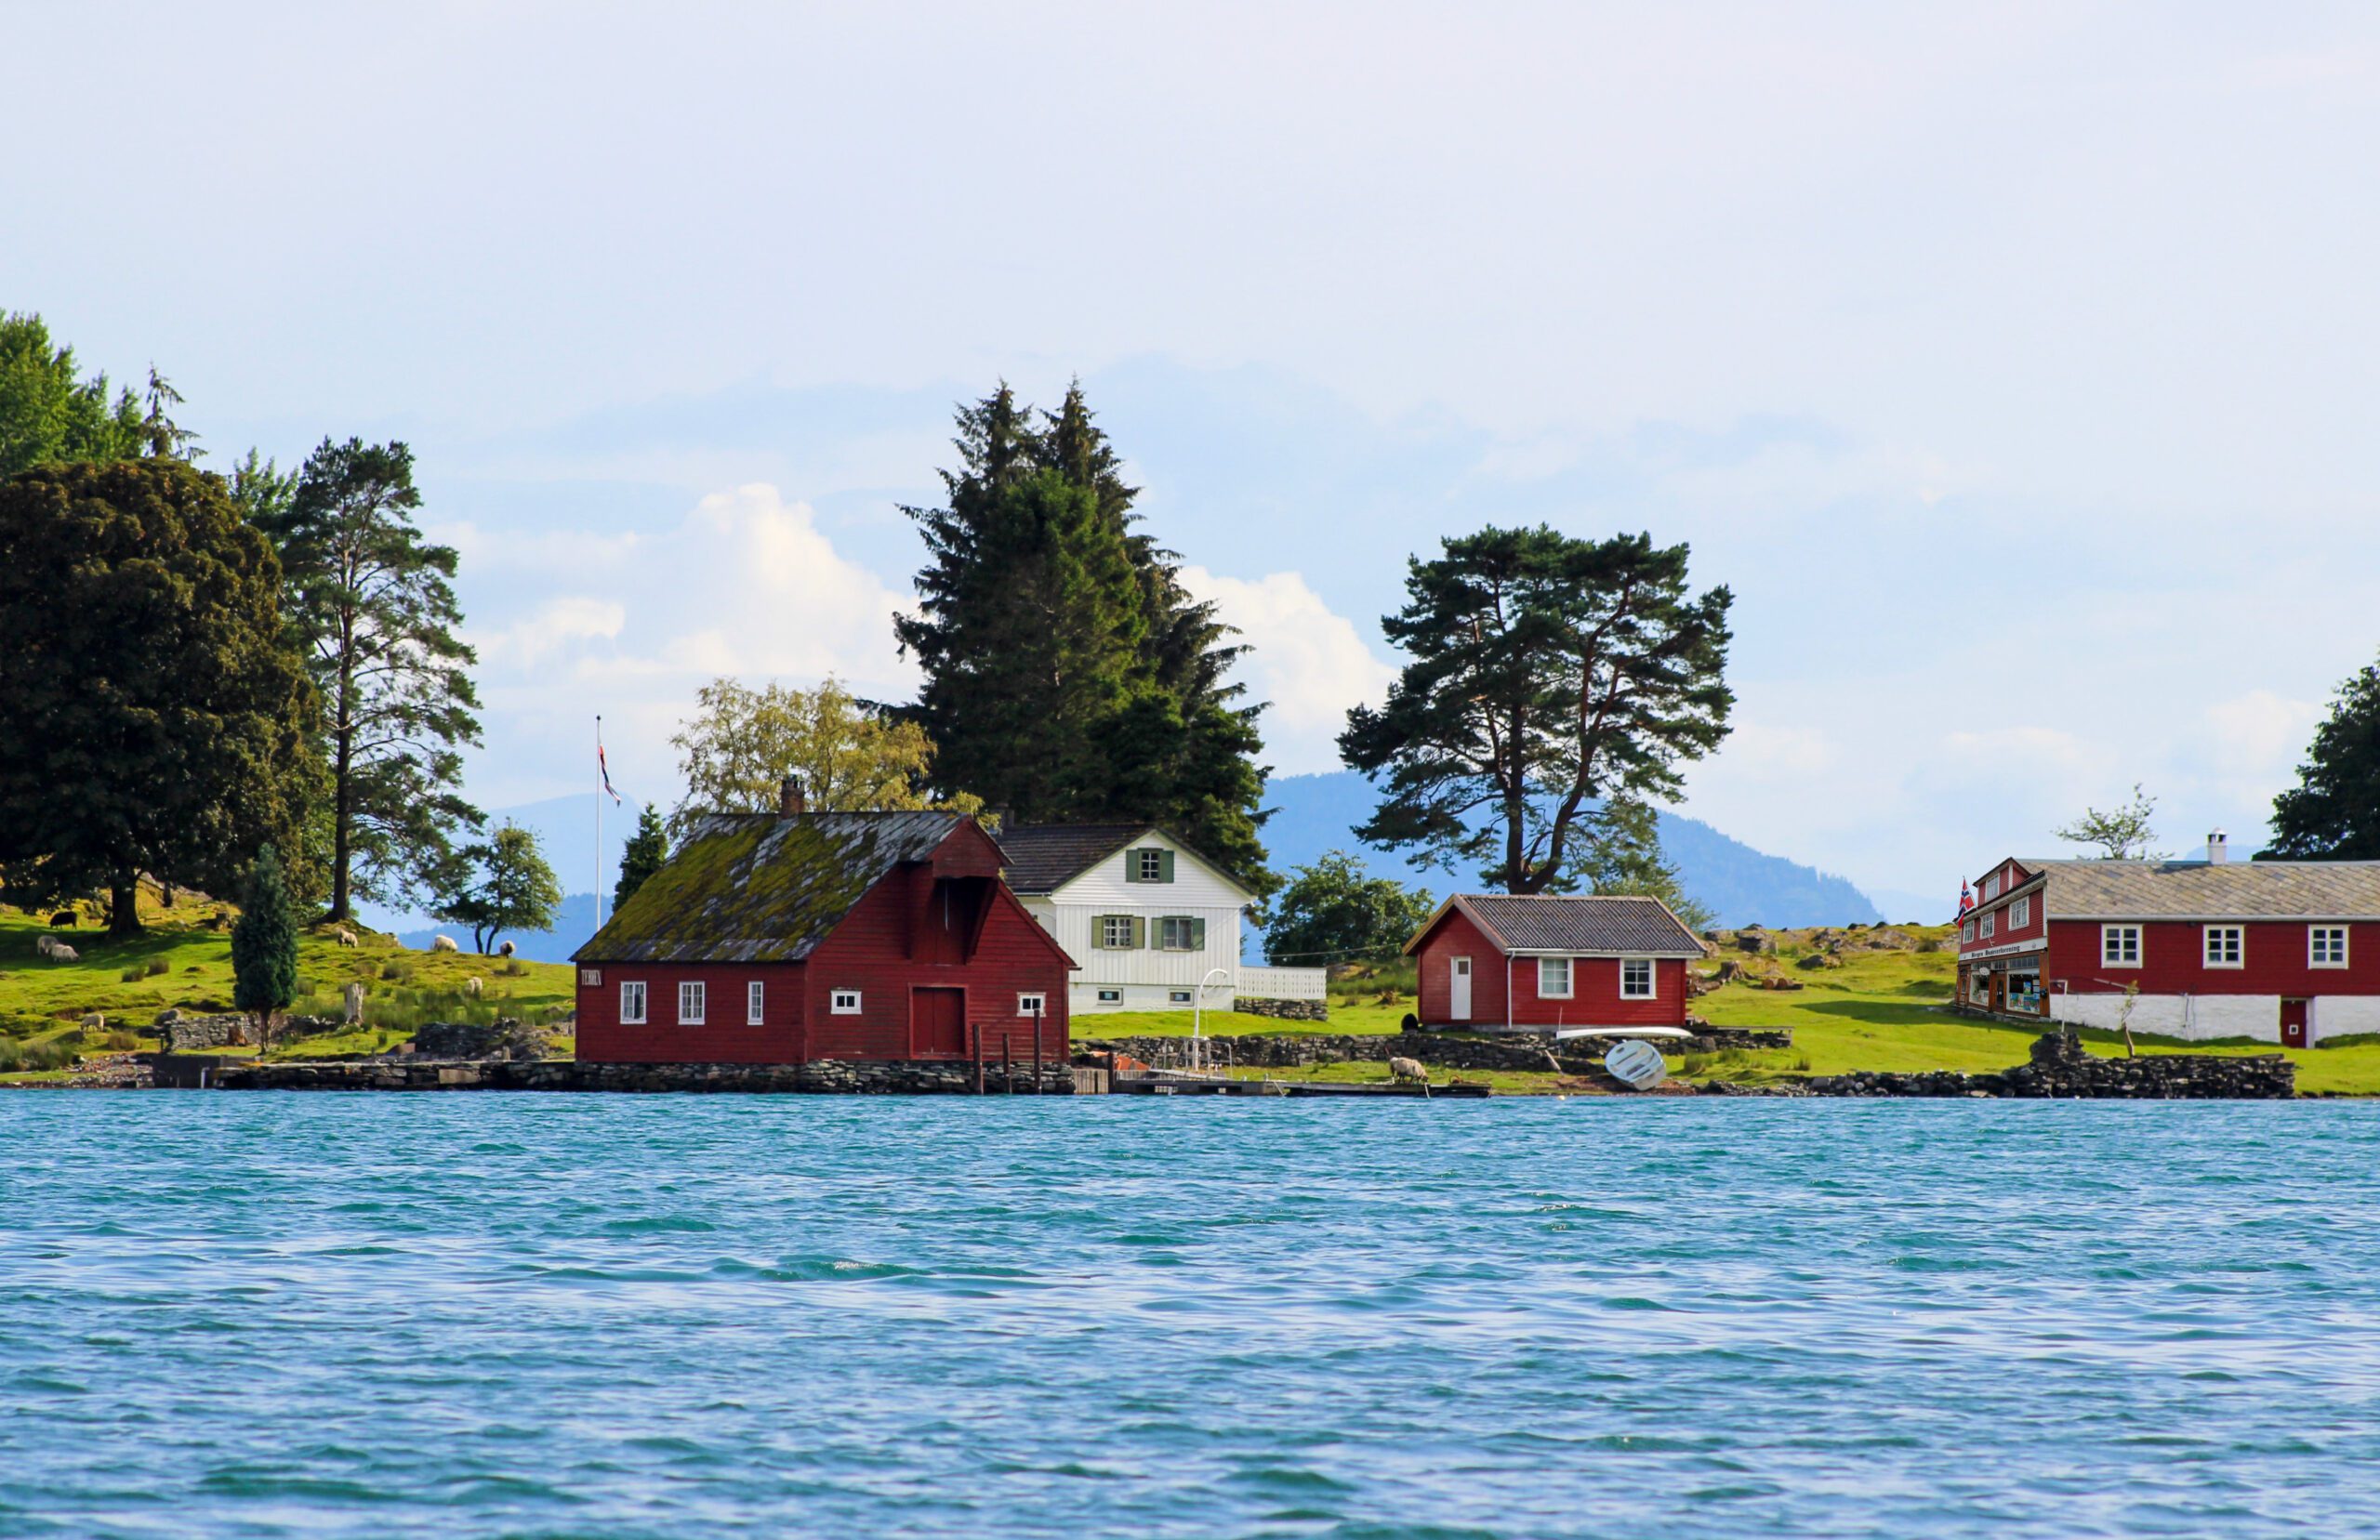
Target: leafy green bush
[133,975]
[16,1056]
[396,971]
[159,968]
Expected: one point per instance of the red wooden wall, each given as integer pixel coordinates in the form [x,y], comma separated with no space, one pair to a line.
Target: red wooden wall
[1594,986]
[723,1039]
[2273,954]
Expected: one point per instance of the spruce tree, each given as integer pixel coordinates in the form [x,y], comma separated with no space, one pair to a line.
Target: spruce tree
[264,946]
[642,856]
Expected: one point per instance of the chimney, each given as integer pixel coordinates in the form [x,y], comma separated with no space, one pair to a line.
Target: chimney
[789,799]
[2218,849]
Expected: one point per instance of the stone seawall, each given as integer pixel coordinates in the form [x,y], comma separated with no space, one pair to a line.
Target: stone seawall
[1284,1010]
[825,1077]
[1295,1050]
[2060,1068]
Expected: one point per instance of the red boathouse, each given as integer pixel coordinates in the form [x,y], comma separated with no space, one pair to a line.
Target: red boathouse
[780,939]
[1497,960]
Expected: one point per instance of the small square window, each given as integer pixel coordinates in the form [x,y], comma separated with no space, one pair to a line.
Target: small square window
[591,977]
[753,1016]
[843,1002]
[2120,945]
[1030,1005]
[690,1003]
[1553,978]
[1178,997]
[1178,933]
[632,1003]
[1111,996]
[1152,864]
[1636,978]
[1116,932]
[2225,945]
[2326,945]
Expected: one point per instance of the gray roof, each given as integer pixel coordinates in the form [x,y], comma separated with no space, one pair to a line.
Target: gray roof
[1042,858]
[758,887]
[2194,890]
[1639,927]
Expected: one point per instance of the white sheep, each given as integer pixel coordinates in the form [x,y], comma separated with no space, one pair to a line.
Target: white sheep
[60,952]
[347,937]
[47,946]
[504,951]
[471,986]
[1408,1070]
[443,943]
[94,1022]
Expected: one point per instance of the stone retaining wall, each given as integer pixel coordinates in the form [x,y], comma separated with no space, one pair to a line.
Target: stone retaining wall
[2060,1068]
[1295,1050]
[1286,1010]
[826,1076]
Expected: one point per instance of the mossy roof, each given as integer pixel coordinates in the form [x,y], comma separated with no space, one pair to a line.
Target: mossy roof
[758,887]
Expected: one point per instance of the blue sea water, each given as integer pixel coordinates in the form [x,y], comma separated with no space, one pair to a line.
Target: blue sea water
[259,1314]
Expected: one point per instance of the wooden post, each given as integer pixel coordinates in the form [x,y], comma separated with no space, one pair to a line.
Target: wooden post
[1037,1050]
[977,1034]
[1008,1076]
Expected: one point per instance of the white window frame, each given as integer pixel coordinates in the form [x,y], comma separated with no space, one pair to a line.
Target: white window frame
[632,988]
[2115,940]
[842,1002]
[2020,913]
[1989,925]
[2237,936]
[1652,979]
[1179,996]
[1569,978]
[1150,861]
[1967,930]
[1031,1001]
[1991,886]
[755,1000]
[1165,932]
[1109,937]
[695,992]
[1111,996]
[2317,954]
[592,978]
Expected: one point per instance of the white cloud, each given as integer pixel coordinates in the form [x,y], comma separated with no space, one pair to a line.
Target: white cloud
[1303,657]
[2259,737]
[557,624]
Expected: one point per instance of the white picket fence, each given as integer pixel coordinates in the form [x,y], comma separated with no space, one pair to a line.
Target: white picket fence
[1284,983]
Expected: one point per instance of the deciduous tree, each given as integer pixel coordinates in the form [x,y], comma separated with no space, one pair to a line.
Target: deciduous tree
[1545,673]
[2122,832]
[154,716]
[742,742]
[505,883]
[375,604]
[1332,912]
[2333,812]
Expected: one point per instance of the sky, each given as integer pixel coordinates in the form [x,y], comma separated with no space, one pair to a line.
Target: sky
[2015,366]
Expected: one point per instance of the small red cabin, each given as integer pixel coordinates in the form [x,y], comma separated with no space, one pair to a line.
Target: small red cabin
[779,939]
[1499,960]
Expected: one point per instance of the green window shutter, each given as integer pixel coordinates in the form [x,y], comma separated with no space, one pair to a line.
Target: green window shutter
[1164,865]
[1132,866]
[1099,932]
[1139,931]
[1198,935]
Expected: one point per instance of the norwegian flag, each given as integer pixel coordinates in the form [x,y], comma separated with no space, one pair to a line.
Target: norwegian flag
[603,769]
[1966,900]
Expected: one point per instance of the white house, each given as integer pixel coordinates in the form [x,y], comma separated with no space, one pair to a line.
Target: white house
[1157,926]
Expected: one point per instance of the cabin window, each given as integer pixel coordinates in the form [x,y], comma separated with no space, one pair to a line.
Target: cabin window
[1119,932]
[1177,996]
[1030,1005]
[2225,945]
[2020,914]
[632,1003]
[2326,945]
[690,1003]
[752,995]
[1989,921]
[1111,996]
[1553,978]
[1991,886]
[1636,978]
[1966,932]
[591,977]
[843,1002]
[1181,933]
[2120,945]
[1151,863]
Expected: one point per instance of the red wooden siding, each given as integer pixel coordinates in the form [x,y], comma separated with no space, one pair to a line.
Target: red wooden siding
[1456,936]
[1594,986]
[2273,958]
[723,1038]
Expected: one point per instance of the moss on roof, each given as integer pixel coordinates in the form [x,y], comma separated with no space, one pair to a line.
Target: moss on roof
[762,888]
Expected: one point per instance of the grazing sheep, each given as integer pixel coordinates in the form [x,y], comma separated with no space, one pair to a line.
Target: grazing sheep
[47,946]
[443,943]
[1408,1071]
[347,937]
[94,1022]
[471,986]
[64,917]
[61,952]
[504,951]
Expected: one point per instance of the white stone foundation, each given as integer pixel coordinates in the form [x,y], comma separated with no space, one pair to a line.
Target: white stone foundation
[2197,1018]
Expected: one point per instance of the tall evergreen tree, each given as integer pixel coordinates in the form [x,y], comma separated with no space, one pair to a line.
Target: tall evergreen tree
[264,946]
[154,716]
[642,856]
[375,604]
[1070,676]
[49,413]
[2333,812]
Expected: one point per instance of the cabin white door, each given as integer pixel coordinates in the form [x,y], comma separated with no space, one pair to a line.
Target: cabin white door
[1459,990]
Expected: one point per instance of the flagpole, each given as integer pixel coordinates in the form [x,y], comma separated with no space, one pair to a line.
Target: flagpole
[598,821]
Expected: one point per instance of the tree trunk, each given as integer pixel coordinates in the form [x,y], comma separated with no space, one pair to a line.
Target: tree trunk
[343,773]
[124,905]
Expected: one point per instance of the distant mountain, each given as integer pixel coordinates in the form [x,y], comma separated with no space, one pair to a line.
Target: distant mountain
[1317,813]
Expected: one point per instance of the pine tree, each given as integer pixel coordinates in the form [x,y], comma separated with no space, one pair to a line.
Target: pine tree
[642,856]
[264,946]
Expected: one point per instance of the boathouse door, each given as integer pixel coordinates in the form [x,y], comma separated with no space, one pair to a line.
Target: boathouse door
[937,1022]
[1459,990]
[2293,1023]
